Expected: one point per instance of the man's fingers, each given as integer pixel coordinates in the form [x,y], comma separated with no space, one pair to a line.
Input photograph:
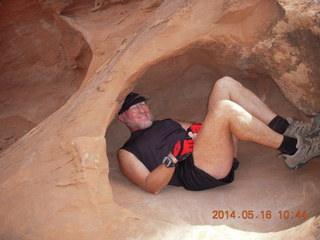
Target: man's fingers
[192,135]
[194,128]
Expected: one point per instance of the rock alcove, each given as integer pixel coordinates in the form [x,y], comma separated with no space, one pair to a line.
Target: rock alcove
[84,57]
[178,88]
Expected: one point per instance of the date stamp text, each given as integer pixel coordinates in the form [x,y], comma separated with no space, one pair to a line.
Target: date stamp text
[264,214]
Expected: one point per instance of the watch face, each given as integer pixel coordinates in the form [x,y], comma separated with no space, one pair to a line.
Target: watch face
[167,161]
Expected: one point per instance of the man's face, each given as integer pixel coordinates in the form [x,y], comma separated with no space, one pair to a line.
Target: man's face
[137,117]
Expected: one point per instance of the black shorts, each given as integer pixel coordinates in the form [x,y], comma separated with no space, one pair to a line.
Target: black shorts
[193,178]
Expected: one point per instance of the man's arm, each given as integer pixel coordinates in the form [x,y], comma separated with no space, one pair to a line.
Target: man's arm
[138,174]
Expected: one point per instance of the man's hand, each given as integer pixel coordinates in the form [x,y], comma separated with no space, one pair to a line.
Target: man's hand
[183,149]
[193,130]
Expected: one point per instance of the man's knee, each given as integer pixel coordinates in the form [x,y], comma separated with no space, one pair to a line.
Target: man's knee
[226,82]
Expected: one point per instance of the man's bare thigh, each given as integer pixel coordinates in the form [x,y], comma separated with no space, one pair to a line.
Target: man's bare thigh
[214,148]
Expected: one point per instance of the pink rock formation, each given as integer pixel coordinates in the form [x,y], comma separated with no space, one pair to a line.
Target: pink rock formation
[66,67]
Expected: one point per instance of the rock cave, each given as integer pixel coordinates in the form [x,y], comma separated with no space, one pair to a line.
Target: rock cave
[66,68]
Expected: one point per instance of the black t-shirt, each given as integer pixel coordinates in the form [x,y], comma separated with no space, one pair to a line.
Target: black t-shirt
[151,145]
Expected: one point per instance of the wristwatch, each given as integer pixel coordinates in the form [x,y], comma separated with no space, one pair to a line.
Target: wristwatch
[167,161]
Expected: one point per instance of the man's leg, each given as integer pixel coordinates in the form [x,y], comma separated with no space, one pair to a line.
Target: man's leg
[214,149]
[234,111]
[227,88]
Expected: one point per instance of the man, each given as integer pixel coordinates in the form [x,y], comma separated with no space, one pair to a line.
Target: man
[201,156]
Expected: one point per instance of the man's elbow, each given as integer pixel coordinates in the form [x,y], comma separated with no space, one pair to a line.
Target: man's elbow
[154,191]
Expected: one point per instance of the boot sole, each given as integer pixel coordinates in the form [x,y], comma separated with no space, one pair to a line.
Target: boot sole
[300,165]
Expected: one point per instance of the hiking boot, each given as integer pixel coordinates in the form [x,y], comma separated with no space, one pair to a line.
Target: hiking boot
[305,129]
[308,148]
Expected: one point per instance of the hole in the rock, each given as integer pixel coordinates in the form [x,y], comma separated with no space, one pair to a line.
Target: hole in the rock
[179,87]
[43,63]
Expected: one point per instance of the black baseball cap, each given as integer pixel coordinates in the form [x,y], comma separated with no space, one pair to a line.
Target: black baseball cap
[131,99]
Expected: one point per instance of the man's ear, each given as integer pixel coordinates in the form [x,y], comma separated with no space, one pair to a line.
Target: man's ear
[121,118]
